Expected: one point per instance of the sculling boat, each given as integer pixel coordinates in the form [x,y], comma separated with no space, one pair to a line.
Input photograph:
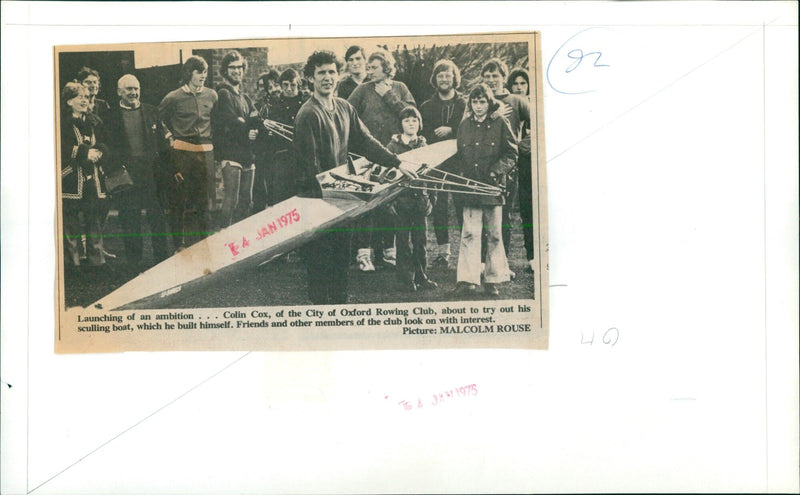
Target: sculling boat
[348,191]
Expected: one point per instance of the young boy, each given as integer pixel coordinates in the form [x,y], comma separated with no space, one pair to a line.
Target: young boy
[411,208]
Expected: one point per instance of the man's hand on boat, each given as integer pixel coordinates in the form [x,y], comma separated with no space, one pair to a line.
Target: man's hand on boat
[409,169]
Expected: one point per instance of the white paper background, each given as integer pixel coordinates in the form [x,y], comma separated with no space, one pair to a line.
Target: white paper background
[672,205]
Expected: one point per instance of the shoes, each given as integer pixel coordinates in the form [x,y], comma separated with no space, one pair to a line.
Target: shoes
[427,284]
[529,267]
[409,286]
[465,289]
[364,261]
[441,261]
[390,256]
[491,290]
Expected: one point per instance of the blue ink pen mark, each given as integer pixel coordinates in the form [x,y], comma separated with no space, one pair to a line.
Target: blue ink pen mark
[576,55]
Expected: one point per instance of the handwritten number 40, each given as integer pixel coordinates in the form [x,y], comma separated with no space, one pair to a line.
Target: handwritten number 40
[610,337]
[577,55]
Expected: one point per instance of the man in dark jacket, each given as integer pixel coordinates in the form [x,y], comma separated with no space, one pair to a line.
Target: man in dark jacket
[133,132]
[442,114]
[280,161]
[235,129]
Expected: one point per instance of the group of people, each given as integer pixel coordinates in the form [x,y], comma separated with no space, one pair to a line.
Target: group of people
[272,147]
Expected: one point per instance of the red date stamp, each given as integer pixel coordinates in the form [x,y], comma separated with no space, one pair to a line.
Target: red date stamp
[438,399]
[264,231]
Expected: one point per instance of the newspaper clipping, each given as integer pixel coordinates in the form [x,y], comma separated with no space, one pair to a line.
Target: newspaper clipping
[302,194]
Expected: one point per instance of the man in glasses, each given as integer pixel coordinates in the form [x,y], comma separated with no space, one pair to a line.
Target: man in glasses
[235,129]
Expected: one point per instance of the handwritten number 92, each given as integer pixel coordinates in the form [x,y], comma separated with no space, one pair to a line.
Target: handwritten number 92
[571,81]
[577,55]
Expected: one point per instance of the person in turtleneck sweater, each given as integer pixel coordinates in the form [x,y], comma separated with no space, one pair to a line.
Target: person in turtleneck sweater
[83,190]
[134,134]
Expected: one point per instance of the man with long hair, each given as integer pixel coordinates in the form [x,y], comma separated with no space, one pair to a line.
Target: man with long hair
[235,130]
[441,114]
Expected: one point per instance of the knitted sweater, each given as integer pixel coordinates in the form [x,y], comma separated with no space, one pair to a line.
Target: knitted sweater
[322,139]
[381,113]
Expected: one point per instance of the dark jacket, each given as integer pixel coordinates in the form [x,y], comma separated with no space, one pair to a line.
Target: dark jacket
[346,87]
[80,178]
[411,200]
[99,112]
[235,115]
[283,110]
[437,112]
[154,163]
[484,149]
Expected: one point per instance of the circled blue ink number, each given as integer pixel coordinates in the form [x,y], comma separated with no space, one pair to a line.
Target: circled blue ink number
[576,55]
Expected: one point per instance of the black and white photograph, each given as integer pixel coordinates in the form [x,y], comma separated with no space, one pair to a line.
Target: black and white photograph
[284,173]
